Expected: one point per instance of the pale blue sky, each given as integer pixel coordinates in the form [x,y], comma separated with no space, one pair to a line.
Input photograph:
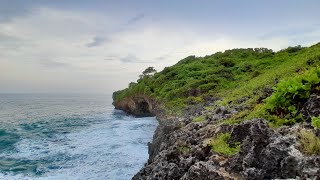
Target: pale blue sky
[100,46]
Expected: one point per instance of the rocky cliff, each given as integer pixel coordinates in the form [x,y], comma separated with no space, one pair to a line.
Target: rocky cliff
[265,153]
[181,148]
[140,106]
[240,114]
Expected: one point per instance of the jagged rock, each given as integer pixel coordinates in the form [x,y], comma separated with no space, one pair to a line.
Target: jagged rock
[241,100]
[161,136]
[266,154]
[221,113]
[312,107]
[202,171]
[194,110]
[180,148]
[263,94]
[140,106]
[310,167]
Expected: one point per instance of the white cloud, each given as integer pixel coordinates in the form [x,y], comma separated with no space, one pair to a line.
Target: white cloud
[47,50]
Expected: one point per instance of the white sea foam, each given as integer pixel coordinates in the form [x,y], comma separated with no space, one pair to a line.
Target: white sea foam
[107,145]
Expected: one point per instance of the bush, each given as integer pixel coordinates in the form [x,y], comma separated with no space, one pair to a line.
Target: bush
[207,87]
[255,74]
[289,95]
[226,62]
[294,49]
[227,75]
[315,122]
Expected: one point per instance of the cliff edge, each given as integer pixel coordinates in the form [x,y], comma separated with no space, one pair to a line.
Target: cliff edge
[140,106]
[240,114]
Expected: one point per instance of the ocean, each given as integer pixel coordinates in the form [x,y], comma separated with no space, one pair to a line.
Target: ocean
[54,136]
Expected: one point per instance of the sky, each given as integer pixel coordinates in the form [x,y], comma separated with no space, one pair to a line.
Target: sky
[81,46]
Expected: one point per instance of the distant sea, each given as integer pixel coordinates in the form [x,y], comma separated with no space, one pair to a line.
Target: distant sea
[54,136]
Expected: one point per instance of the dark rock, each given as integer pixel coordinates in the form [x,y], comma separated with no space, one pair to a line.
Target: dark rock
[194,110]
[161,136]
[222,110]
[310,168]
[312,107]
[220,113]
[241,100]
[181,149]
[202,171]
[264,93]
[140,106]
[266,154]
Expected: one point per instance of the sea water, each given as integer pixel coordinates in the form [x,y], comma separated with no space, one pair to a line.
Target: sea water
[48,136]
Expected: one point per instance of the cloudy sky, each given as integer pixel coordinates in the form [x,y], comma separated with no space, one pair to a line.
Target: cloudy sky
[100,46]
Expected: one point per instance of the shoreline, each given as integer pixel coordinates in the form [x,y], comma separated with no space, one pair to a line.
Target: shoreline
[182,149]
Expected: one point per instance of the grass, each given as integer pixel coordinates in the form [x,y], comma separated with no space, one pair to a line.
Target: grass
[310,143]
[220,145]
[199,119]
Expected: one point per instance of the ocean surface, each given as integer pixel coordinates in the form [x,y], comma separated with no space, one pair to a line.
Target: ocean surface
[47,136]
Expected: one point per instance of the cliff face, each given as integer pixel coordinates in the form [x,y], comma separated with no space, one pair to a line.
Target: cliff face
[181,150]
[246,114]
[140,106]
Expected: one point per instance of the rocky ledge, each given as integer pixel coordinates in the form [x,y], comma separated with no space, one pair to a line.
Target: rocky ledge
[181,148]
[140,106]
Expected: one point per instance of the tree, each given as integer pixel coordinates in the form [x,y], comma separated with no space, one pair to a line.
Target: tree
[150,71]
[132,84]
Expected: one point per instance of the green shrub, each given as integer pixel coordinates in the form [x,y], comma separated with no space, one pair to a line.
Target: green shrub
[310,143]
[227,62]
[227,75]
[293,49]
[289,95]
[315,122]
[255,74]
[220,145]
[207,87]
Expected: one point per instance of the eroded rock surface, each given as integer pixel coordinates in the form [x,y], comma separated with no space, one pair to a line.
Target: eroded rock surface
[265,154]
[181,148]
[140,106]
[312,107]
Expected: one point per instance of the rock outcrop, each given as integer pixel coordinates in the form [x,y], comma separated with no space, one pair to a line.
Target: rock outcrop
[140,106]
[181,148]
[180,152]
[311,107]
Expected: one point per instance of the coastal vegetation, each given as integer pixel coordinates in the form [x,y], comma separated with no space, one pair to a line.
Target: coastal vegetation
[231,75]
[270,85]
[254,112]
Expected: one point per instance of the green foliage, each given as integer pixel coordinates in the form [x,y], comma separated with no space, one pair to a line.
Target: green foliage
[293,49]
[310,143]
[289,95]
[220,145]
[148,72]
[315,122]
[229,75]
[132,84]
[199,119]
